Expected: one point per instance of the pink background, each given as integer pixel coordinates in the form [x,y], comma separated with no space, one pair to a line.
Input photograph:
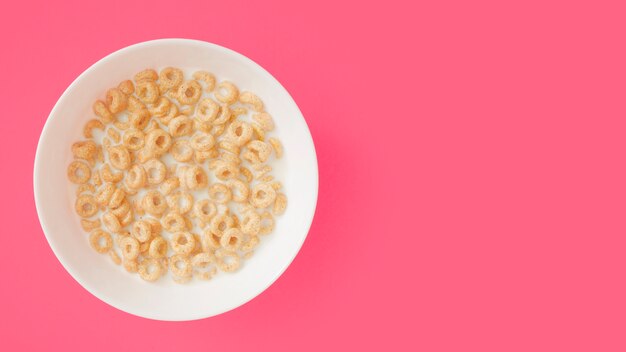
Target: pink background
[472,174]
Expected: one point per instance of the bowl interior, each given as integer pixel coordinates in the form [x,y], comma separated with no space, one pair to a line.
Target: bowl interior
[165,300]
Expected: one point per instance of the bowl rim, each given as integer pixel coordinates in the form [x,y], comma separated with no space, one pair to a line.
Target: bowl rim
[37,172]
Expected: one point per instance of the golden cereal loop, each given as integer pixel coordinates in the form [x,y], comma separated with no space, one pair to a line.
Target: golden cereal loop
[127,218]
[227,261]
[172,113]
[111,222]
[131,266]
[122,126]
[161,108]
[250,157]
[119,157]
[239,190]
[139,119]
[227,92]
[180,265]
[188,110]
[89,225]
[204,210]
[210,240]
[117,198]
[207,110]
[221,223]
[95,177]
[169,185]
[180,202]
[159,141]
[136,177]
[154,203]
[251,223]
[134,104]
[127,87]
[239,132]
[90,126]
[266,179]
[220,193]
[261,149]
[280,204]
[109,176]
[207,78]
[146,75]
[276,185]
[101,110]
[158,248]
[259,134]
[141,230]
[116,100]
[155,226]
[246,173]
[267,223]
[150,269]
[182,243]
[225,171]
[206,262]
[114,135]
[174,222]
[147,91]
[232,239]
[86,150]
[200,157]
[115,257]
[133,139]
[251,243]
[261,170]
[129,247]
[277,146]
[217,130]
[196,178]
[155,171]
[100,241]
[223,115]
[144,154]
[181,150]
[171,77]
[189,92]
[181,125]
[229,158]
[265,121]
[86,206]
[229,146]
[202,142]
[152,125]
[104,194]
[262,195]
[252,100]
[121,210]
[78,172]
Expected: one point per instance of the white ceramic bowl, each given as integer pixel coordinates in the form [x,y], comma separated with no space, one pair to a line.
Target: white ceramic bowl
[165,300]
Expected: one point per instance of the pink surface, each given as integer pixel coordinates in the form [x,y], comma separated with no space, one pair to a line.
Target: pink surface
[472,174]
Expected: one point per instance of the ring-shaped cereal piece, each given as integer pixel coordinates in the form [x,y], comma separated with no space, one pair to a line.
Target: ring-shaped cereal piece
[251,223]
[250,157]
[221,223]
[265,121]
[116,100]
[92,125]
[189,92]
[121,210]
[205,265]
[227,261]
[207,110]
[101,110]
[119,157]
[117,198]
[246,173]
[158,248]
[133,139]
[89,225]
[210,241]
[150,269]
[181,150]
[86,150]
[159,141]
[181,125]
[141,230]
[161,107]
[202,142]
[101,241]
[267,223]
[136,177]
[232,239]
[155,171]
[139,119]
[115,258]
[174,222]
[171,77]
[85,187]
[261,149]
[229,146]
[127,87]
[220,193]
[217,130]
[196,178]
[134,104]
[280,204]
[239,132]
[180,265]
[230,158]
[183,243]
[204,210]
[239,190]
[111,222]
[154,203]
[130,265]
[180,202]
[227,92]
[207,78]
[258,132]
[86,206]
[109,176]
[104,194]
[252,100]
[78,172]
[262,195]
[146,75]
[226,171]
[251,243]
[277,146]
[172,113]
[222,117]
[129,247]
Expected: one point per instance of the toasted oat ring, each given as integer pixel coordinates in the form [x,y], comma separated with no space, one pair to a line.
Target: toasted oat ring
[86,206]
[98,236]
[261,149]
[229,146]
[89,225]
[239,190]
[85,187]
[109,176]
[277,146]
[221,223]
[155,226]
[251,223]
[86,150]
[101,110]
[119,157]
[169,185]
[210,240]
[181,150]
[154,203]
[267,223]
[140,118]
[150,269]
[155,171]
[181,125]
[253,100]
[116,100]
[220,193]
[78,172]
[133,139]
[250,244]
[217,130]
[135,104]
[147,91]
[263,195]
[117,198]
[204,210]
[174,222]
[111,222]
[115,258]
[105,193]
[127,87]
[202,142]
[141,230]
[230,158]
[122,210]
[222,254]
[245,172]
[146,75]
[161,108]
[239,132]
[207,110]
[189,92]
[159,141]
[280,204]
[264,120]
[180,202]
[227,92]
[225,171]
[204,261]
[222,117]
[258,131]
[136,177]
[158,248]
[196,178]
[232,239]
[129,247]
[183,242]
[130,265]
[90,126]
[171,77]
[206,77]
[180,265]
[250,157]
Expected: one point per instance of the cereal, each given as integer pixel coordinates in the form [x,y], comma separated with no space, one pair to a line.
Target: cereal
[101,110]
[204,263]
[85,150]
[261,149]
[239,132]
[196,178]
[180,265]
[181,150]
[127,87]
[146,75]
[130,265]
[170,77]
[129,247]
[155,171]
[189,92]
[262,195]
[205,77]
[142,231]
[89,225]
[133,139]
[109,176]
[267,223]
[119,156]
[221,223]
[154,203]
[183,242]
[226,171]
[116,100]
[227,92]
[204,210]
[169,185]
[181,125]
[174,222]
[139,118]
[180,202]
[134,104]
[220,193]
[100,241]
[253,100]
[161,107]
[90,126]
[232,239]
[207,110]
[277,146]
[251,223]
[158,141]
[280,204]
[111,222]
[136,177]
[115,257]
[86,206]
[202,142]
[222,117]
[78,172]
[264,120]
[150,269]
[227,260]
[158,248]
